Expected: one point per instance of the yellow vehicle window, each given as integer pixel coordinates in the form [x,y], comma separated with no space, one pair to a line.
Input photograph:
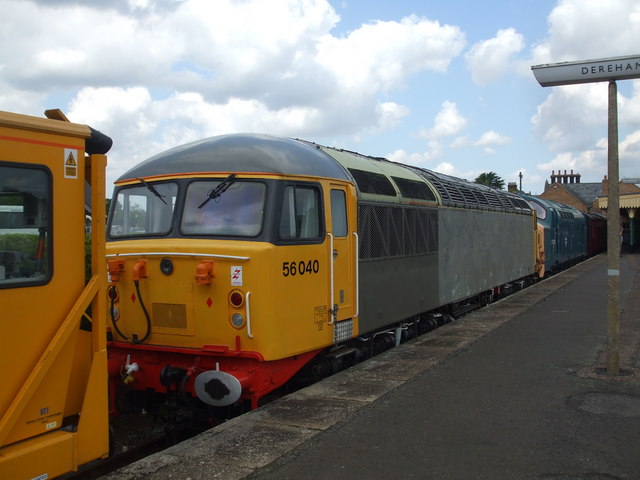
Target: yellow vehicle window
[236,210]
[300,214]
[25,226]
[143,210]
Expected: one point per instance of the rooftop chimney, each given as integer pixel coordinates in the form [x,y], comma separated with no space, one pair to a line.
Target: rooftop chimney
[564,177]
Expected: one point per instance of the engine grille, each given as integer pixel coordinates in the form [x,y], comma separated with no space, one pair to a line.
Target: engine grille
[343,330]
[396,230]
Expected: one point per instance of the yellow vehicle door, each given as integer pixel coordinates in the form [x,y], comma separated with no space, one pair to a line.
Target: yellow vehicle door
[341,230]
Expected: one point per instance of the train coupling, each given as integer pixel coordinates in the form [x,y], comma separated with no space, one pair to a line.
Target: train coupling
[129,370]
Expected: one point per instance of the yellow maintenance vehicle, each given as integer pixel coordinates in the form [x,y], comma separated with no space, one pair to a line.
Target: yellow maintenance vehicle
[53,353]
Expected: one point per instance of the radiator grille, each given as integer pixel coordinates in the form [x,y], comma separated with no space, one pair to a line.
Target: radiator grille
[396,230]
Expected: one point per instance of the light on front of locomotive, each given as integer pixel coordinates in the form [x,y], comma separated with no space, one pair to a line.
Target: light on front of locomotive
[236,310]
[236,299]
[237,320]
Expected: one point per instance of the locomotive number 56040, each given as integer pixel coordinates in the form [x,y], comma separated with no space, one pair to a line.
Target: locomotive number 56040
[300,268]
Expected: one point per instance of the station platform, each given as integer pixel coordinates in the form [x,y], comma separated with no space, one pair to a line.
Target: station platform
[516,390]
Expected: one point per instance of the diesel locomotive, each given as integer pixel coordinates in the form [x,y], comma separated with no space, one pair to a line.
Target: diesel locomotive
[237,261]
[569,235]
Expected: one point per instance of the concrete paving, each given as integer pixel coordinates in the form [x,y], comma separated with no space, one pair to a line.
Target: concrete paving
[517,390]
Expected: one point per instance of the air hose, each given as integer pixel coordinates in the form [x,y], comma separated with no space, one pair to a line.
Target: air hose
[146,316]
[134,338]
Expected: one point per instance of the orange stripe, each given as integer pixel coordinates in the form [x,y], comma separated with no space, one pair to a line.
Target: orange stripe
[206,174]
[39,142]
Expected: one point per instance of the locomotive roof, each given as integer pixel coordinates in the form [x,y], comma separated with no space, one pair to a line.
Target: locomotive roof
[443,189]
[553,205]
[241,153]
[377,179]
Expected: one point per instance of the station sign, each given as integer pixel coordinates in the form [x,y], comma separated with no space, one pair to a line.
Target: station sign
[587,71]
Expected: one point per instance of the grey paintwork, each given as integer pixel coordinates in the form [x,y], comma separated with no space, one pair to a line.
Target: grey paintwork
[241,153]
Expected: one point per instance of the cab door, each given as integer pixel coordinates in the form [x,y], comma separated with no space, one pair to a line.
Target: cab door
[341,229]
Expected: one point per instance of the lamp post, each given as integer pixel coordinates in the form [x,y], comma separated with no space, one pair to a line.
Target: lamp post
[589,71]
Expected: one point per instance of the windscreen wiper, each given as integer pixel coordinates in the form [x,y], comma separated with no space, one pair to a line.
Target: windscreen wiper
[219,190]
[152,189]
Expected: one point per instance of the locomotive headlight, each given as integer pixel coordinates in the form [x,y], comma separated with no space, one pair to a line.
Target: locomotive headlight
[115,313]
[237,320]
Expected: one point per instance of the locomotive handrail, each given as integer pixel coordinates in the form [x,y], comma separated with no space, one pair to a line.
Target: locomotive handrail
[357,260]
[249,333]
[179,254]
[331,306]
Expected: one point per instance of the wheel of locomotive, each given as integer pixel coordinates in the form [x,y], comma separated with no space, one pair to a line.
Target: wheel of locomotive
[320,367]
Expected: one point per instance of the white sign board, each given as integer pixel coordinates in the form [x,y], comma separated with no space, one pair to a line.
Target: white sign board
[588,71]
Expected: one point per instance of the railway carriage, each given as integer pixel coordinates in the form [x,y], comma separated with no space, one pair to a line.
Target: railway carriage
[238,260]
[597,233]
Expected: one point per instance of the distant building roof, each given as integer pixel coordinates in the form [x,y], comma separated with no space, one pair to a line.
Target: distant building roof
[586,192]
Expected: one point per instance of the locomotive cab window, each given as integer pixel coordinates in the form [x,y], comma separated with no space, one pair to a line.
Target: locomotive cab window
[541,212]
[25,226]
[143,210]
[224,207]
[300,213]
[338,213]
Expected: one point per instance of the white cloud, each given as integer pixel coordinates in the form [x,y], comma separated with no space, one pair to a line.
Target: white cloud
[434,150]
[629,108]
[155,74]
[584,29]
[629,153]
[492,138]
[572,116]
[592,163]
[369,56]
[490,59]
[572,120]
[588,163]
[449,121]
[487,141]
[446,168]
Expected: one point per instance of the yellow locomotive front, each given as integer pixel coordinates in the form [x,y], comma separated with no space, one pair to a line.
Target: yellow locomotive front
[232,262]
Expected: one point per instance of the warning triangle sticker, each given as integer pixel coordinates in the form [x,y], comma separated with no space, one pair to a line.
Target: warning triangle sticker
[70,162]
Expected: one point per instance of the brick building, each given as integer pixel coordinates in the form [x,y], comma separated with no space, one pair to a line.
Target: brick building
[566,188]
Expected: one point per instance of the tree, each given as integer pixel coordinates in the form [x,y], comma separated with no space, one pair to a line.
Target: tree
[490,179]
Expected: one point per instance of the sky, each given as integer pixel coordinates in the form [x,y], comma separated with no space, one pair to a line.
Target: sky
[444,85]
